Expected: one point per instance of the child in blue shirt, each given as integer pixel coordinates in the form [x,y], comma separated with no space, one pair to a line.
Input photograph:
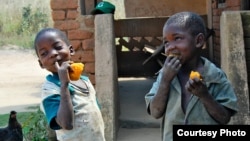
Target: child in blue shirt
[175,97]
[69,106]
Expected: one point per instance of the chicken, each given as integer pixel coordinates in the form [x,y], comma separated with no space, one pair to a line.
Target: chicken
[13,132]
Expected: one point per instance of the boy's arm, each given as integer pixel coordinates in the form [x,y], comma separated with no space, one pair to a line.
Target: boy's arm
[65,114]
[216,110]
[158,103]
[219,113]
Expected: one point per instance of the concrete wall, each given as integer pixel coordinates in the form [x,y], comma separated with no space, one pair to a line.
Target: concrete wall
[106,73]
[233,61]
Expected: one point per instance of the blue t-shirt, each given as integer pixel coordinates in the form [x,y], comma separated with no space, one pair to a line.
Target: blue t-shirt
[218,86]
[88,122]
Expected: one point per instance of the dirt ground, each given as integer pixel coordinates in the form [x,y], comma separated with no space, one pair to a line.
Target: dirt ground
[21,79]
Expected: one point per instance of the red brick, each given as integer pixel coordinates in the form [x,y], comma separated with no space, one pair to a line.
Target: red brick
[76,44]
[79,34]
[66,25]
[235,8]
[92,78]
[77,57]
[89,21]
[217,33]
[217,58]
[217,40]
[63,4]
[73,4]
[83,56]
[214,4]
[58,15]
[90,67]
[217,48]
[72,14]
[88,44]
[217,12]
[87,56]
[233,3]
[216,19]
[216,25]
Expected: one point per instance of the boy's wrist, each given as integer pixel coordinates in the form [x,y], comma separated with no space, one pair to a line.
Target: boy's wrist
[66,84]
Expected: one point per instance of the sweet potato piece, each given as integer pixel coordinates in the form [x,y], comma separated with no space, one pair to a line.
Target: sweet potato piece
[195,74]
[76,71]
[173,55]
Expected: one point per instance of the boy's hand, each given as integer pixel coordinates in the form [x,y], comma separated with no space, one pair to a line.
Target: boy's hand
[197,87]
[63,71]
[171,67]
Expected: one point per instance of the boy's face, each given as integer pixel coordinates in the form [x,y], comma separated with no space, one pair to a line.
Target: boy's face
[178,41]
[50,49]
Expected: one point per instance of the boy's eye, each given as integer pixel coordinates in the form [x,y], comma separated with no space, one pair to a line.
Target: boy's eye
[44,53]
[58,47]
[177,38]
[165,43]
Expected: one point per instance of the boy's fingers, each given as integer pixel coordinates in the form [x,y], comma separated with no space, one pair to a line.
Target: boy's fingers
[57,65]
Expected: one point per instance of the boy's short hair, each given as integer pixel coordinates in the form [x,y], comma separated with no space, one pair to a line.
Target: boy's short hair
[61,34]
[189,21]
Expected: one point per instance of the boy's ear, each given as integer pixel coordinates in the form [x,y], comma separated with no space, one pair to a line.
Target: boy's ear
[71,49]
[200,40]
[41,65]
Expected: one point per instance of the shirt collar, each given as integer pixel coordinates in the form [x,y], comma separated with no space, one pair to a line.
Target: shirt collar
[55,79]
[210,73]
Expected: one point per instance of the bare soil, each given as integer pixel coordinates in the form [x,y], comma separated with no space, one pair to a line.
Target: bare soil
[20,80]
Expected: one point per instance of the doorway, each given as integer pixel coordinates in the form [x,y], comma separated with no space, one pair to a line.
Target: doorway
[135,123]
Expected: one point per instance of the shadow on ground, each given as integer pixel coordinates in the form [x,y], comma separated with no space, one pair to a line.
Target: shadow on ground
[135,123]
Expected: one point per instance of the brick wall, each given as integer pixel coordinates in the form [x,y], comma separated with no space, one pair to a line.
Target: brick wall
[217,9]
[67,17]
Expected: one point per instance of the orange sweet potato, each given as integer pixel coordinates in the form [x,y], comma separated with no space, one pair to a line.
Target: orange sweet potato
[195,74]
[76,71]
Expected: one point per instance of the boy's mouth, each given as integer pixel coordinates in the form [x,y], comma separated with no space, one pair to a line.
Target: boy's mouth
[174,54]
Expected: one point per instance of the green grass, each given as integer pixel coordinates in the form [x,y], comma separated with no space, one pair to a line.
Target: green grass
[17,26]
[21,117]
[23,41]
[34,124]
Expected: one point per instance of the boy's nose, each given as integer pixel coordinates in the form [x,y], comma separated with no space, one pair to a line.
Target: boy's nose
[169,47]
[53,53]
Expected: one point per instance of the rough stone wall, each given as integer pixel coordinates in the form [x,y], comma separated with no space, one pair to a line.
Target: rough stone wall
[217,9]
[233,61]
[67,17]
